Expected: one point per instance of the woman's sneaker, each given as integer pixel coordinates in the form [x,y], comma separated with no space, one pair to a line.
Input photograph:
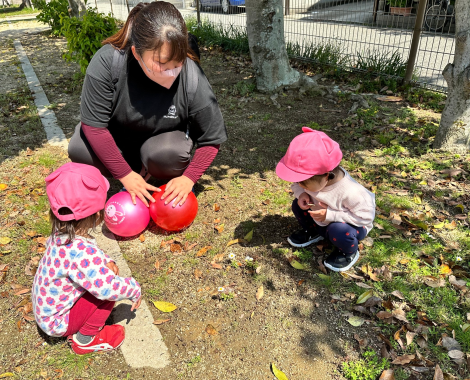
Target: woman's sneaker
[108,339]
[303,238]
[337,261]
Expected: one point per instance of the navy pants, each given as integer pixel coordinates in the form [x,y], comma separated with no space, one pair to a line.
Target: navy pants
[342,235]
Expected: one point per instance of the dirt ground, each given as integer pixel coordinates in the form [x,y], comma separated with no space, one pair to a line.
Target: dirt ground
[298,324]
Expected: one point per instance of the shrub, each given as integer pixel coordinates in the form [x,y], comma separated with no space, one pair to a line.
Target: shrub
[84,35]
[51,13]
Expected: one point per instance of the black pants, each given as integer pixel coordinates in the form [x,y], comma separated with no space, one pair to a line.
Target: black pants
[165,156]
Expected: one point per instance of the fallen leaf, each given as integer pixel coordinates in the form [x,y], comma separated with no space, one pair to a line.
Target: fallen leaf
[373,301]
[176,248]
[6,374]
[445,270]
[451,344]
[409,337]
[362,285]
[417,199]
[23,291]
[362,342]
[279,374]
[365,296]
[197,274]
[295,264]
[439,225]
[459,284]
[219,257]
[166,307]
[356,321]
[400,315]
[219,228]
[163,244]
[4,240]
[216,266]
[160,321]
[384,315]
[249,236]
[3,186]
[188,247]
[456,354]
[211,330]
[368,241]
[438,375]
[387,375]
[434,282]
[404,359]
[389,98]
[260,293]
[203,251]
[41,240]
[396,219]
[398,294]
[216,221]
[236,241]
[216,207]
[157,265]
[142,238]
[379,226]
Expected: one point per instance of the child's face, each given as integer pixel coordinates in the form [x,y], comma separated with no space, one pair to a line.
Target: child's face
[315,186]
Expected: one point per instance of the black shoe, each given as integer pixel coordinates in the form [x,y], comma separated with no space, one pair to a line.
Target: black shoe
[337,261]
[303,238]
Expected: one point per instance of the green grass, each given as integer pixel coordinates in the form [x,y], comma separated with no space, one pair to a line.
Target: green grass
[367,368]
[15,11]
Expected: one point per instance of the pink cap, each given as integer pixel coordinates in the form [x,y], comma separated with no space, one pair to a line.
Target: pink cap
[311,153]
[79,187]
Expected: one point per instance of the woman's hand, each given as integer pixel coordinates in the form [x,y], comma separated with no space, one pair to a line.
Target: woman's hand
[178,190]
[303,201]
[319,214]
[136,186]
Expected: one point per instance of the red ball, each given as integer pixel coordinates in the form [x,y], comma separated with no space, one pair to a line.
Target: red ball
[172,218]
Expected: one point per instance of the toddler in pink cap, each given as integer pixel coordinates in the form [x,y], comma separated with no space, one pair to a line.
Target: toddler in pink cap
[77,284]
[329,204]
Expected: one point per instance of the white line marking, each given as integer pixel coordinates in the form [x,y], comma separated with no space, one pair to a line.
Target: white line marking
[54,133]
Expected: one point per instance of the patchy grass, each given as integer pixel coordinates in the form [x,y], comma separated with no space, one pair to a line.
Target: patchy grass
[8,11]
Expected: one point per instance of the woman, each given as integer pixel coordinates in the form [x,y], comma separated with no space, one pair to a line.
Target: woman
[160,104]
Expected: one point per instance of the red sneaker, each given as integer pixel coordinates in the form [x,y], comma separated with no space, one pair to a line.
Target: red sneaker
[108,339]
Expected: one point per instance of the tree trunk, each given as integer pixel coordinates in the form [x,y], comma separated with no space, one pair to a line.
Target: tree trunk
[77,8]
[26,4]
[265,28]
[454,130]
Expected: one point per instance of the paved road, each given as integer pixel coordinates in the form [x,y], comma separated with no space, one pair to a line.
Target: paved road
[333,25]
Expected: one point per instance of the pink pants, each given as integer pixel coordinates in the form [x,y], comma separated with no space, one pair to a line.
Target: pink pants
[88,315]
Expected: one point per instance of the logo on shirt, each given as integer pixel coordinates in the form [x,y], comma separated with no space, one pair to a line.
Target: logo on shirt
[171,113]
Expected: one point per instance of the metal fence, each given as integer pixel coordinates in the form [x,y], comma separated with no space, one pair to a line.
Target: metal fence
[369,35]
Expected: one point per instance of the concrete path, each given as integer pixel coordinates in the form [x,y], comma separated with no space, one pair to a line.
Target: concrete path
[143,346]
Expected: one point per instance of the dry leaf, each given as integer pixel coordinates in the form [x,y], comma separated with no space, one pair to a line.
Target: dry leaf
[166,307]
[142,238]
[157,265]
[4,240]
[445,270]
[362,342]
[211,330]
[163,244]
[219,257]
[389,98]
[260,293]
[356,321]
[384,315]
[400,315]
[160,321]
[219,228]
[188,247]
[203,251]
[216,221]
[398,294]
[438,375]
[362,285]
[404,359]
[23,291]
[41,240]
[235,241]
[3,186]
[216,207]
[409,337]
[365,296]
[434,282]
[176,249]
[279,374]
[368,241]
[197,274]
[459,284]
[216,266]
[387,375]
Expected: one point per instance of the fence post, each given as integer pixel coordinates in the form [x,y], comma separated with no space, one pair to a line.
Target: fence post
[111,3]
[198,10]
[415,41]
[287,8]
[128,9]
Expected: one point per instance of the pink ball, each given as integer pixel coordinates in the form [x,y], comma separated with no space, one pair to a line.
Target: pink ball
[123,218]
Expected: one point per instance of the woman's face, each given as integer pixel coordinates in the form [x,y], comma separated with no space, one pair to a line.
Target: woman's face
[156,61]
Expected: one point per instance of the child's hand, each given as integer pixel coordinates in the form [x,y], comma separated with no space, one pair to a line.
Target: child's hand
[319,215]
[136,305]
[303,201]
[112,265]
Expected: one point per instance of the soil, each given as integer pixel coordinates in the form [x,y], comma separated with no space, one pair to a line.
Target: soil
[296,324]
